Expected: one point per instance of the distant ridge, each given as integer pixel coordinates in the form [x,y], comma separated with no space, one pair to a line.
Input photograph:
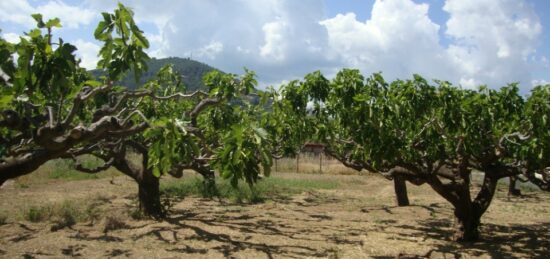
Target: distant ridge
[191,70]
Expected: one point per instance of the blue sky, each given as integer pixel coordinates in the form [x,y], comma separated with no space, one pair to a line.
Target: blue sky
[467,42]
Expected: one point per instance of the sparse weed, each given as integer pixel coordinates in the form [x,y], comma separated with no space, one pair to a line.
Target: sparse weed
[267,188]
[21,185]
[137,214]
[64,214]
[67,215]
[3,218]
[64,169]
[38,213]
[93,212]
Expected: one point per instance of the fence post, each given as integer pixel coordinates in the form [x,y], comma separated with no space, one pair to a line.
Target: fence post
[320,162]
[298,162]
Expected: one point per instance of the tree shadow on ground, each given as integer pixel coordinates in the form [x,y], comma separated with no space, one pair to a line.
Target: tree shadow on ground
[231,245]
[118,252]
[250,226]
[32,255]
[73,250]
[25,233]
[515,240]
[188,250]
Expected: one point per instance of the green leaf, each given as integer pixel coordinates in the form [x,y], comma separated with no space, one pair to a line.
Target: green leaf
[5,100]
[93,83]
[34,33]
[156,171]
[101,27]
[38,18]
[261,132]
[53,23]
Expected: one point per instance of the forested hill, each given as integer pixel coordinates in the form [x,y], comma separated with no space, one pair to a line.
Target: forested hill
[192,72]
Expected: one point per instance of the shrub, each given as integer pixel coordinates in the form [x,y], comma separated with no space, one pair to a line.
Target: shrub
[38,213]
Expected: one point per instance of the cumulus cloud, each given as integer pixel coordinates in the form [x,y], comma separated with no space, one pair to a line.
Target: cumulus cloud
[11,37]
[16,11]
[209,51]
[19,11]
[279,39]
[491,41]
[399,39]
[488,41]
[87,52]
[274,37]
[536,82]
[70,16]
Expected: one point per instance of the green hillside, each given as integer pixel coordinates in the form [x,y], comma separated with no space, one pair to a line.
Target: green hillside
[191,70]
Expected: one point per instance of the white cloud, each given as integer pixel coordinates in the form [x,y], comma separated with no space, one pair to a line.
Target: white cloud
[16,11]
[11,37]
[276,38]
[491,41]
[471,83]
[536,82]
[156,43]
[399,39]
[70,16]
[209,51]
[19,12]
[487,41]
[87,52]
[275,45]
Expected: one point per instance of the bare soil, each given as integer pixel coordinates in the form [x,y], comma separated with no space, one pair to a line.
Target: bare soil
[356,220]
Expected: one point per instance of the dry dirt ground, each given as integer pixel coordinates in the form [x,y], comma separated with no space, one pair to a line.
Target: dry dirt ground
[355,220]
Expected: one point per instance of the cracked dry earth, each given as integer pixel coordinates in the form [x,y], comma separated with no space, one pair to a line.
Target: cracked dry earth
[355,220]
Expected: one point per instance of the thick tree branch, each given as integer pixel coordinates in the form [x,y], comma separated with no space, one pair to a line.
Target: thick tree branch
[101,168]
[346,160]
[148,93]
[53,146]
[203,104]
[84,94]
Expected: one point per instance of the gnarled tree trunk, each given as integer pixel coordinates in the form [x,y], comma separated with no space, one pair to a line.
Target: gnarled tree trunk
[149,195]
[148,184]
[400,187]
[468,213]
[466,223]
[209,180]
[512,190]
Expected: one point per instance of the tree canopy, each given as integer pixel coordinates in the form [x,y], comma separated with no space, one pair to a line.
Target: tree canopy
[426,133]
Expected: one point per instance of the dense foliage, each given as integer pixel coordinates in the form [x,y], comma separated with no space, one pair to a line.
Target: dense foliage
[46,94]
[52,108]
[435,134]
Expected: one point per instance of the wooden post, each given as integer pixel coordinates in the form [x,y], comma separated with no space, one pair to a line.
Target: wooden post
[297,162]
[320,162]
[400,186]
